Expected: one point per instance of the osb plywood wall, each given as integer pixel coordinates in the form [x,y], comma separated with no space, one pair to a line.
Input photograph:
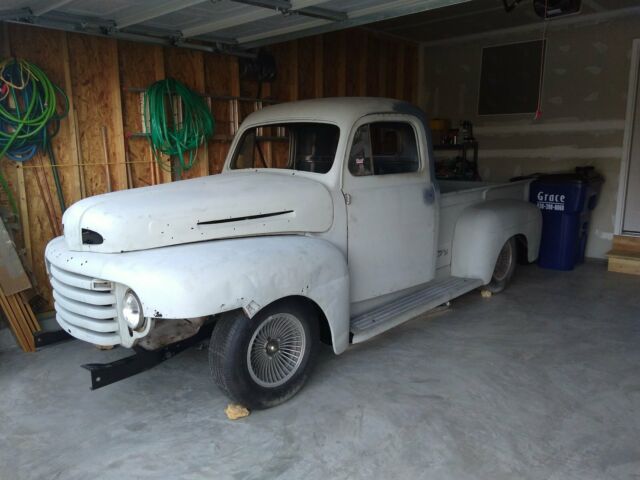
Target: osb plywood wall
[583,108]
[95,149]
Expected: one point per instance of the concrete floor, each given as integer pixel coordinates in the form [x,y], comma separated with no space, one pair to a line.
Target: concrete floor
[539,382]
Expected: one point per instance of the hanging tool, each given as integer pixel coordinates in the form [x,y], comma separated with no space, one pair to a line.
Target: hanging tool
[29,117]
[178,121]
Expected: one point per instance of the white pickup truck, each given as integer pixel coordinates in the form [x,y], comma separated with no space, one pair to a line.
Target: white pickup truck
[326,224]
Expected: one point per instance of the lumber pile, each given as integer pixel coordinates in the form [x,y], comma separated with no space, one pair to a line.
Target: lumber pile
[624,257]
[21,319]
[13,300]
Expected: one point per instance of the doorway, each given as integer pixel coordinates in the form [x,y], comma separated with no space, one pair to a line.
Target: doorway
[628,215]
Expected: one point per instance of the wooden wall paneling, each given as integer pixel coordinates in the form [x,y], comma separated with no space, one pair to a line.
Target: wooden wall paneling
[341,66]
[363,56]
[373,67]
[221,78]
[318,67]
[70,176]
[330,64]
[390,69]
[400,71]
[14,177]
[353,62]
[140,66]
[40,210]
[96,94]
[285,86]
[306,50]
[383,59]
[410,76]
[187,66]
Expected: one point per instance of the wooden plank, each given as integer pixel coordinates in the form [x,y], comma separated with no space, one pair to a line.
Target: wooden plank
[221,78]
[383,53]
[626,243]
[13,278]
[24,214]
[410,93]
[305,65]
[362,78]
[400,56]
[138,68]
[33,321]
[341,66]
[353,63]
[48,49]
[187,66]
[285,86]
[318,67]
[17,321]
[7,167]
[72,182]
[330,64]
[624,265]
[96,94]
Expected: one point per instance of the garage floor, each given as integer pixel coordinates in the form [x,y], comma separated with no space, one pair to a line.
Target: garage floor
[539,382]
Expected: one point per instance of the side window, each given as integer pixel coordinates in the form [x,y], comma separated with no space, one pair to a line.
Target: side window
[384,148]
[360,163]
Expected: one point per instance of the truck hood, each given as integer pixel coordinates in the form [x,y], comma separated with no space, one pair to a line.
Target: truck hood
[235,204]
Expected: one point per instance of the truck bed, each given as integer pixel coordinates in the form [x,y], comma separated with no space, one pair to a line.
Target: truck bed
[458,195]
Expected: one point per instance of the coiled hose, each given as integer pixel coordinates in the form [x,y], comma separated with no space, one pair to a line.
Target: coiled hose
[177,121]
[28,116]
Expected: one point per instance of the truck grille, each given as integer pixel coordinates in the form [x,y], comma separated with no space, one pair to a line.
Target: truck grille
[85,307]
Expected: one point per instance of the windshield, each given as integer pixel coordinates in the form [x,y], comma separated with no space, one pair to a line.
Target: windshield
[309,147]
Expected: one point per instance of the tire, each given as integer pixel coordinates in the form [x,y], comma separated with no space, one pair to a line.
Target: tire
[505,267]
[248,358]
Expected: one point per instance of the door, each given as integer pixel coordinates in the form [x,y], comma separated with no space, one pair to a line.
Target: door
[391,207]
[631,213]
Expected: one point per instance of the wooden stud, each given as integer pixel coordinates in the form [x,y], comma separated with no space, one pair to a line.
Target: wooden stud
[382,71]
[24,215]
[187,66]
[361,86]
[400,72]
[318,71]
[81,184]
[341,66]
[105,148]
[77,188]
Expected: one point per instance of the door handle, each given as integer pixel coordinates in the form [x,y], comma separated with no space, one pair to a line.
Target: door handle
[429,195]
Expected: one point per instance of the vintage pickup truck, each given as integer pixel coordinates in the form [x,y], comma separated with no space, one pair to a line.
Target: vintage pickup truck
[326,224]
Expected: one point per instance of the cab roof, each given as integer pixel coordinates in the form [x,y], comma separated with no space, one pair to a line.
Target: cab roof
[339,110]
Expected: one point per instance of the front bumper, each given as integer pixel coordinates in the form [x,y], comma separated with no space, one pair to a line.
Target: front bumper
[88,308]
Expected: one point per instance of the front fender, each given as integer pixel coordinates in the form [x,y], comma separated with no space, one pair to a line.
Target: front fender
[482,229]
[200,279]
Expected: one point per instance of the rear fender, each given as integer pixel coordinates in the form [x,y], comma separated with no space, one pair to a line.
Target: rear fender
[482,229]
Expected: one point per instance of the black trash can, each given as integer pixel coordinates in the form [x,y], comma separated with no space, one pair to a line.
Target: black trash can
[566,201]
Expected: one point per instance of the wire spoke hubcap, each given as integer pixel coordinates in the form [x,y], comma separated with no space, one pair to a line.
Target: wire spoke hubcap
[276,350]
[503,264]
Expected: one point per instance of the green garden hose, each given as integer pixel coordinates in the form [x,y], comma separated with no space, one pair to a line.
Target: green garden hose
[177,121]
[28,117]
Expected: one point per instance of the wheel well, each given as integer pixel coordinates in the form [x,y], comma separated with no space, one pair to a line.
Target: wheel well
[323,323]
[523,249]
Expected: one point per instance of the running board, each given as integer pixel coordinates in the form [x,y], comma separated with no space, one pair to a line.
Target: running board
[437,292]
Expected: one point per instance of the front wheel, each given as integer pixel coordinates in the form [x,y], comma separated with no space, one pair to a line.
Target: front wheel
[264,361]
[505,267]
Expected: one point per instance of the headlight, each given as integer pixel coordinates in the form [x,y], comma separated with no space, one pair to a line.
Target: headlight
[132,311]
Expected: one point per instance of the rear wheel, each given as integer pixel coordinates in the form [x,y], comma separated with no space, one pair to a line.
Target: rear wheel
[505,267]
[264,361]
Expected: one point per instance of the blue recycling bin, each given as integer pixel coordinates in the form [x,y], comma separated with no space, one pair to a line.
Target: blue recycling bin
[566,201]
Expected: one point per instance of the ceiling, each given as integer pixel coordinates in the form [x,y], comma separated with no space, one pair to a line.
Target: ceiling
[231,25]
[480,16]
